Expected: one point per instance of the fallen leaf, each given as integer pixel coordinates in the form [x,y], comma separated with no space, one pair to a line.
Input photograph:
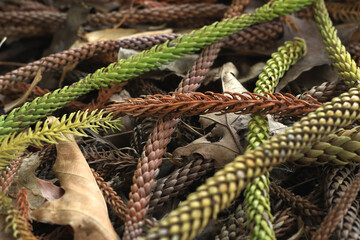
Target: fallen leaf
[126,53]
[82,206]
[26,178]
[253,72]
[49,191]
[2,41]
[67,32]
[182,65]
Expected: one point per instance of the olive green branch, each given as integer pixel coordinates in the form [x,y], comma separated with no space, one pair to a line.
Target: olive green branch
[337,52]
[257,192]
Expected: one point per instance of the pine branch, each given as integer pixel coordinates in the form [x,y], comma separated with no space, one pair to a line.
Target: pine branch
[124,70]
[197,103]
[51,131]
[337,52]
[17,223]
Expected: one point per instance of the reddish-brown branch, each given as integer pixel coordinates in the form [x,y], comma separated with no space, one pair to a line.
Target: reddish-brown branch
[304,206]
[196,103]
[8,174]
[170,186]
[23,206]
[143,179]
[264,32]
[36,23]
[147,168]
[111,196]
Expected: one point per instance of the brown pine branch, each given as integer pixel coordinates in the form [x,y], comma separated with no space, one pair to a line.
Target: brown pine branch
[304,206]
[197,103]
[111,196]
[8,174]
[170,186]
[23,206]
[345,12]
[335,215]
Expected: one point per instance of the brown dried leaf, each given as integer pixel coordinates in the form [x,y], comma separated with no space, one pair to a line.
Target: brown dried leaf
[82,206]
[26,178]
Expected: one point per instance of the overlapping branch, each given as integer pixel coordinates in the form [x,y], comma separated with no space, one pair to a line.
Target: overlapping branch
[196,103]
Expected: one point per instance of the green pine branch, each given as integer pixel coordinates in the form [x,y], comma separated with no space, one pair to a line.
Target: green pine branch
[341,58]
[30,113]
[257,192]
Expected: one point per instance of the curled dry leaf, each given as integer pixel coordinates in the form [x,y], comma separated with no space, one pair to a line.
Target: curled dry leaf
[316,54]
[26,178]
[82,206]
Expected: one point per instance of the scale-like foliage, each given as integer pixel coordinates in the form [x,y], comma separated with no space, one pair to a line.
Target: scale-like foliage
[126,69]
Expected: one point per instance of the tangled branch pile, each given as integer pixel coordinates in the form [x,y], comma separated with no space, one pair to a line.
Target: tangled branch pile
[259,140]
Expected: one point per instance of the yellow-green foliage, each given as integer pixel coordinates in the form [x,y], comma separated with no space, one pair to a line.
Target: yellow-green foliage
[14,221]
[52,130]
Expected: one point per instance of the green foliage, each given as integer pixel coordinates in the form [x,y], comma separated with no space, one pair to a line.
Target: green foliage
[257,192]
[126,69]
[341,58]
[52,131]
[228,182]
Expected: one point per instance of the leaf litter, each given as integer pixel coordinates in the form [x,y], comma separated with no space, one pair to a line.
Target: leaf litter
[223,143]
[82,206]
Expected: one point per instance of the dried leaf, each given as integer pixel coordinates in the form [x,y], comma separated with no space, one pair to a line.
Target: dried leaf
[253,72]
[126,53]
[49,191]
[67,32]
[26,178]
[2,41]
[181,65]
[82,206]
[316,53]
